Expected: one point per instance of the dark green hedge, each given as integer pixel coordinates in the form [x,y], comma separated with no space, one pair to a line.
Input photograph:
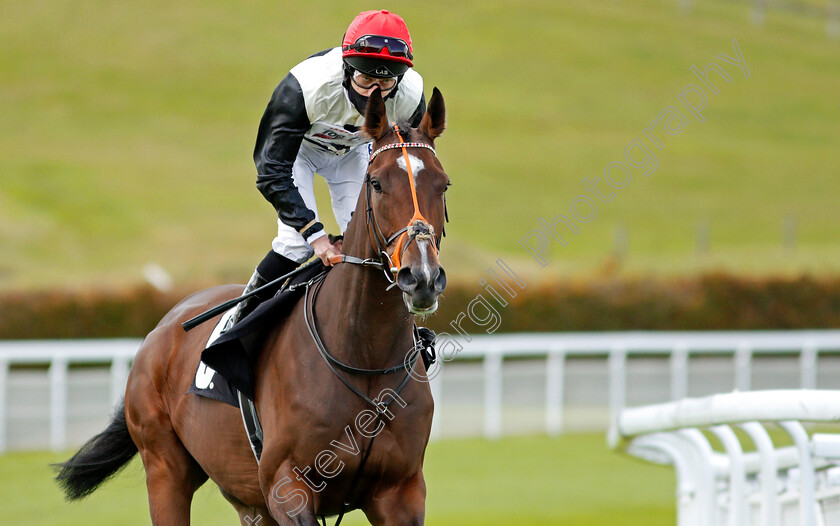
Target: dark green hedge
[100,314]
[709,302]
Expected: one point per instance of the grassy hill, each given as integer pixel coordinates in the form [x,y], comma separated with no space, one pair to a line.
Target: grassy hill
[127,131]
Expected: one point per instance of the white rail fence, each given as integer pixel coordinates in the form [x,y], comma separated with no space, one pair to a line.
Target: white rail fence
[756,479]
[56,393]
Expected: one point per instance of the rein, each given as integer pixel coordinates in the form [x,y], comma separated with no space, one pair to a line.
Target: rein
[312,289]
[381,407]
[309,316]
[418,228]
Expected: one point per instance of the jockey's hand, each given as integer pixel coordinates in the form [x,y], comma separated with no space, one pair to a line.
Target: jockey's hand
[324,249]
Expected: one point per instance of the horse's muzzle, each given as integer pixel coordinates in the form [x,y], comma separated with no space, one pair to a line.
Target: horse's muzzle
[421,285]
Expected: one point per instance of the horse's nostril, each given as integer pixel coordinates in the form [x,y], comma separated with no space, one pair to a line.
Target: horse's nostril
[440,281]
[406,280]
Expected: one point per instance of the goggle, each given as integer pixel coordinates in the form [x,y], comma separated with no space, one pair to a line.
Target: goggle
[374,44]
[365,81]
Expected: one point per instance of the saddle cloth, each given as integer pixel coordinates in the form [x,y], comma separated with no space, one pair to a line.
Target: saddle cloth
[227,363]
[206,382]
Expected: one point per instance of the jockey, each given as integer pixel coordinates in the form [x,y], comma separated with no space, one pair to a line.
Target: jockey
[313,124]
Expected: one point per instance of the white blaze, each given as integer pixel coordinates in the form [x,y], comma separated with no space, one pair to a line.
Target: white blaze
[424,255]
[416,164]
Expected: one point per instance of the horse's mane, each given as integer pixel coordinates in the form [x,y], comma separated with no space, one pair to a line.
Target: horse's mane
[404,130]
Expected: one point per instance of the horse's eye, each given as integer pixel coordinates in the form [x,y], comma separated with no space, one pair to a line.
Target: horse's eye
[445,188]
[376,186]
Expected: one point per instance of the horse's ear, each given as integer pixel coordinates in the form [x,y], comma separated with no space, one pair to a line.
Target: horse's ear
[434,121]
[376,120]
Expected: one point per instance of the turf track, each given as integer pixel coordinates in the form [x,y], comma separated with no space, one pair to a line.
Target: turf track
[574,479]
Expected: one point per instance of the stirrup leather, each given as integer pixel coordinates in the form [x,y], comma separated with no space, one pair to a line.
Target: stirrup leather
[252,424]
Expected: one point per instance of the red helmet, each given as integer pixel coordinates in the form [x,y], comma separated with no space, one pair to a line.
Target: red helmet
[378,43]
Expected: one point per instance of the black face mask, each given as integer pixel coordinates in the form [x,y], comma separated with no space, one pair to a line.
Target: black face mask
[360,101]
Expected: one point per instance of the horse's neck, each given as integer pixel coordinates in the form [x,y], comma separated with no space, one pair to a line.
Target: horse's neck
[360,321]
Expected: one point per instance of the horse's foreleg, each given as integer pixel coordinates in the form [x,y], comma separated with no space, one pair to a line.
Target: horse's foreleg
[255,517]
[401,505]
[249,515]
[289,499]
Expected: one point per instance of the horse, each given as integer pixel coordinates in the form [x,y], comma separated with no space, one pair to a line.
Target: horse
[318,456]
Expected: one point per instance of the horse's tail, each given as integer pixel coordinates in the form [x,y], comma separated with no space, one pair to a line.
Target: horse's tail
[100,458]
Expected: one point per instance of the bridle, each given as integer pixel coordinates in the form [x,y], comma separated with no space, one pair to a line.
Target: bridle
[418,227]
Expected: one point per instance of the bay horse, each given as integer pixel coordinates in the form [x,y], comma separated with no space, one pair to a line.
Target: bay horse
[317,433]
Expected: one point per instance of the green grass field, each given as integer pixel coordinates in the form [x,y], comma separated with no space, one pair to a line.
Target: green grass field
[127,131]
[574,479]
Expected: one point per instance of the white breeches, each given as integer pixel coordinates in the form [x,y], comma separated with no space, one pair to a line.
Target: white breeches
[344,175]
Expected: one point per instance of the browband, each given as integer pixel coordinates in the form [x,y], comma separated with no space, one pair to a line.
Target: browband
[400,145]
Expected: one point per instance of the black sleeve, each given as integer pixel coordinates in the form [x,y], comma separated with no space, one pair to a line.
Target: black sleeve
[278,141]
[417,116]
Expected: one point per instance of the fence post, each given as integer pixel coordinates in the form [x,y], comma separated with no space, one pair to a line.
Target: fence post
[738,510]
[492,395]
[436,385]
[618,380]
[679,372]
[808,366]
[757,10]
[807,490]
[770,511]
[4,378]
[555,371]
[119,377]
[58,403]
[743,367]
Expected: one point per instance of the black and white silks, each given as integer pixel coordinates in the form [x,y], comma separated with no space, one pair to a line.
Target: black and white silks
[312,107]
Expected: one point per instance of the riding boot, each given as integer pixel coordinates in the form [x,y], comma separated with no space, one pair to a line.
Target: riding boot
[270,268]
[246,306]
